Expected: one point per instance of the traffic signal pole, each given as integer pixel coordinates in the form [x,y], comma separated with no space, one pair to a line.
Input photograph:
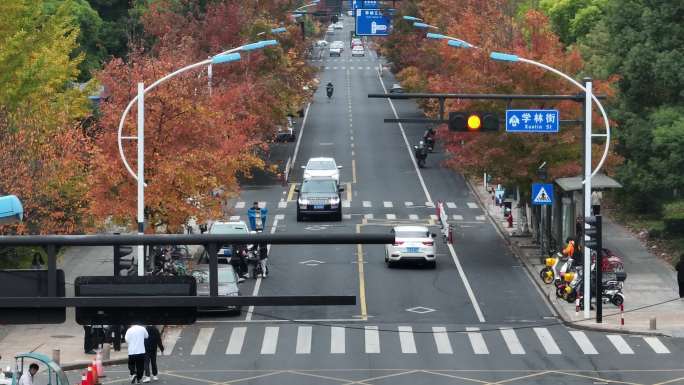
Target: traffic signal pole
[587,195]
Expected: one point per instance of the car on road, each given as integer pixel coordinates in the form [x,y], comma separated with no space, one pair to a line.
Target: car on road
[236,227]
[227,286]
[335,51]
[330,31]
[339,25]
[356,42]
[322,43]
[396,89]
[411,244]
[358,51]
[319,197]
[322,168]
[337,44]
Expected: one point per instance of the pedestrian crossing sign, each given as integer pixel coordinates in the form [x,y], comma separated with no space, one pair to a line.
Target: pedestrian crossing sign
[542,193]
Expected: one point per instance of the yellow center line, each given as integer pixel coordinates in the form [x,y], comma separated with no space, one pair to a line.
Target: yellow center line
[362,279]
[353,170]
[349,192]
[290,194]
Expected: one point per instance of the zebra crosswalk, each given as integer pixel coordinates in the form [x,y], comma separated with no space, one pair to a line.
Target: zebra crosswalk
[388,216]
[283,204]
[404,339]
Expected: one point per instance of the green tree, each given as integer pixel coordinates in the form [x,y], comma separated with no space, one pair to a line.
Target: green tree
[572,19]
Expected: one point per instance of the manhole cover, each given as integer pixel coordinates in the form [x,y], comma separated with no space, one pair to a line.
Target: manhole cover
[62,336]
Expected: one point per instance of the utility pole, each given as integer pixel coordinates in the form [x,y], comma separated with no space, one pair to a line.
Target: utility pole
[587,195]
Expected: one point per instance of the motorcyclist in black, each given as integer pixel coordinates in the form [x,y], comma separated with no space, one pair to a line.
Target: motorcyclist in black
[429,139]
[329,89]
[421,152]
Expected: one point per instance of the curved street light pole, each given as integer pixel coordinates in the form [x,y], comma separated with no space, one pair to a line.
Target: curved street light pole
[140,99]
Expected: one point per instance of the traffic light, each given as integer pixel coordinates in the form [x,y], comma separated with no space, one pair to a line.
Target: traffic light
[593,233]
[473,121]
[119,262]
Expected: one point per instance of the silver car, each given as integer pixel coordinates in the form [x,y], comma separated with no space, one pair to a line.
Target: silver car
[227,286]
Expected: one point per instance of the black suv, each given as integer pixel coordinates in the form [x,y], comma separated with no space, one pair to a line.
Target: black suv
[319,197]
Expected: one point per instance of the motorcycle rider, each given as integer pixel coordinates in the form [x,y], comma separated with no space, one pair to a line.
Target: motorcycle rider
[429,139]
[329,89]
[263,258]
[569,250]
[421,151]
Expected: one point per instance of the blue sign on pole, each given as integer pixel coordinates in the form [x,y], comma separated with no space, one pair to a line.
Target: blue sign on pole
[364,4]
[372,22]
[542,194]
[542,121]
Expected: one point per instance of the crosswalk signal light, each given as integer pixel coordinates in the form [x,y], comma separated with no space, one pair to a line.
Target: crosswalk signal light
[473,121]
[593,233]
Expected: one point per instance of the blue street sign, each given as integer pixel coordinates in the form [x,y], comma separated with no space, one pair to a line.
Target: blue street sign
[532,121]
[542,194]
[372,22]
[364,4]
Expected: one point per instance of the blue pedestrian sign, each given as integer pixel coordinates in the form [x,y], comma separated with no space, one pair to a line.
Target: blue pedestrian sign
[542,194]
[372,22]
[540,121]
[364,4]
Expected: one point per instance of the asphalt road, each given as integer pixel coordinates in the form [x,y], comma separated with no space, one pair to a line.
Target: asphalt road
[477,317]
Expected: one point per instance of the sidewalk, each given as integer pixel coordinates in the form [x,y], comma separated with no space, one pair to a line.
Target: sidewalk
[650,281]
[67,337]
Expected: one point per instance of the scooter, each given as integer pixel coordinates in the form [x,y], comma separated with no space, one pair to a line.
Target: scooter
[421,155]
[429,139]
[259,265]
[550,272]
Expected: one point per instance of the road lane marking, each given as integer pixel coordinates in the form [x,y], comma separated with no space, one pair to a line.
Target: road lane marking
[408,204]
[170,338]
[477,341]
[388,205]
[512,341]
[280,217]
[346,204]
[290,194]
[480,218]
[451,205]
[469,290]
[282,205]
[202,342]
[262,204]
[337,340]
[408,344]
[457,217]
[270,342]
[237,339]
[372,340]
[346,216]
[442,340]
[472,205]
[547,341]
[240,205]
[367,204]
[349,192]
[353,170]
[408,145]
[391,216]
[656,345]
[583,342]
[301,133]
[368,216]
[257,284]
[620,344]
[303,340]
[234,218]
[429,204]
[362,278]
[413,217]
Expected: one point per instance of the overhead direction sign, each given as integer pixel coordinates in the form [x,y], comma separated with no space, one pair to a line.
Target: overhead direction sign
[372,22]
[364,4]
[539,121]
[542,194]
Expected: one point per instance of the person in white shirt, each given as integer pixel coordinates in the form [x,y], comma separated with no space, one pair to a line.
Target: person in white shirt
[27,378]
[135,338]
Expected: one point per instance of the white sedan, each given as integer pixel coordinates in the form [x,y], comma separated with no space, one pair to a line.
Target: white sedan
[322,168]
[411,244]
[358,51]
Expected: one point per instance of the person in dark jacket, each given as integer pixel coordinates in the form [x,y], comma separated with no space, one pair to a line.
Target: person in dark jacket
[153,342]
[680,275]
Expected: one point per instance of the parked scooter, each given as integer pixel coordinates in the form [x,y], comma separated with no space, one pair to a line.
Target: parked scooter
[550,272]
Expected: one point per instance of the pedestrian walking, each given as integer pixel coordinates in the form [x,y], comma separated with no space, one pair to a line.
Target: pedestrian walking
[88,344]
[579,227]
[135,338]
[152,342]
[27,378]
[596,198]
[680,275]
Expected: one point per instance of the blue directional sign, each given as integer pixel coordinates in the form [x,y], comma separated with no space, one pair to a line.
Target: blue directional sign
[372,22]
[543,121]
[364,4]
[542,194]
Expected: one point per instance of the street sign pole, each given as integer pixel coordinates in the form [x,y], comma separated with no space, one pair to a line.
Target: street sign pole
[141,176]
[587,195]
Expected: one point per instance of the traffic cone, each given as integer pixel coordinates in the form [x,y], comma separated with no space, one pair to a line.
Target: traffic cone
[99,366]
[84,380]
[96,373]
[89,376]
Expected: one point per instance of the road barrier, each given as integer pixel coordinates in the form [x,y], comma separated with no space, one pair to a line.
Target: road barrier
[443,217]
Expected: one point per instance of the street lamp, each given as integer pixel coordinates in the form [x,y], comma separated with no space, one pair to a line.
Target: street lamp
[224,57]
[274,31]
[452,41]
[243,48]
[411,18]
[421,25]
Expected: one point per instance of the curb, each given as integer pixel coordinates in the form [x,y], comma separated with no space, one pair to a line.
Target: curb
[559,311]
[84,364]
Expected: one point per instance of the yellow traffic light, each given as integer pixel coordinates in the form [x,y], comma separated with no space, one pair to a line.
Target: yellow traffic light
[474,122]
